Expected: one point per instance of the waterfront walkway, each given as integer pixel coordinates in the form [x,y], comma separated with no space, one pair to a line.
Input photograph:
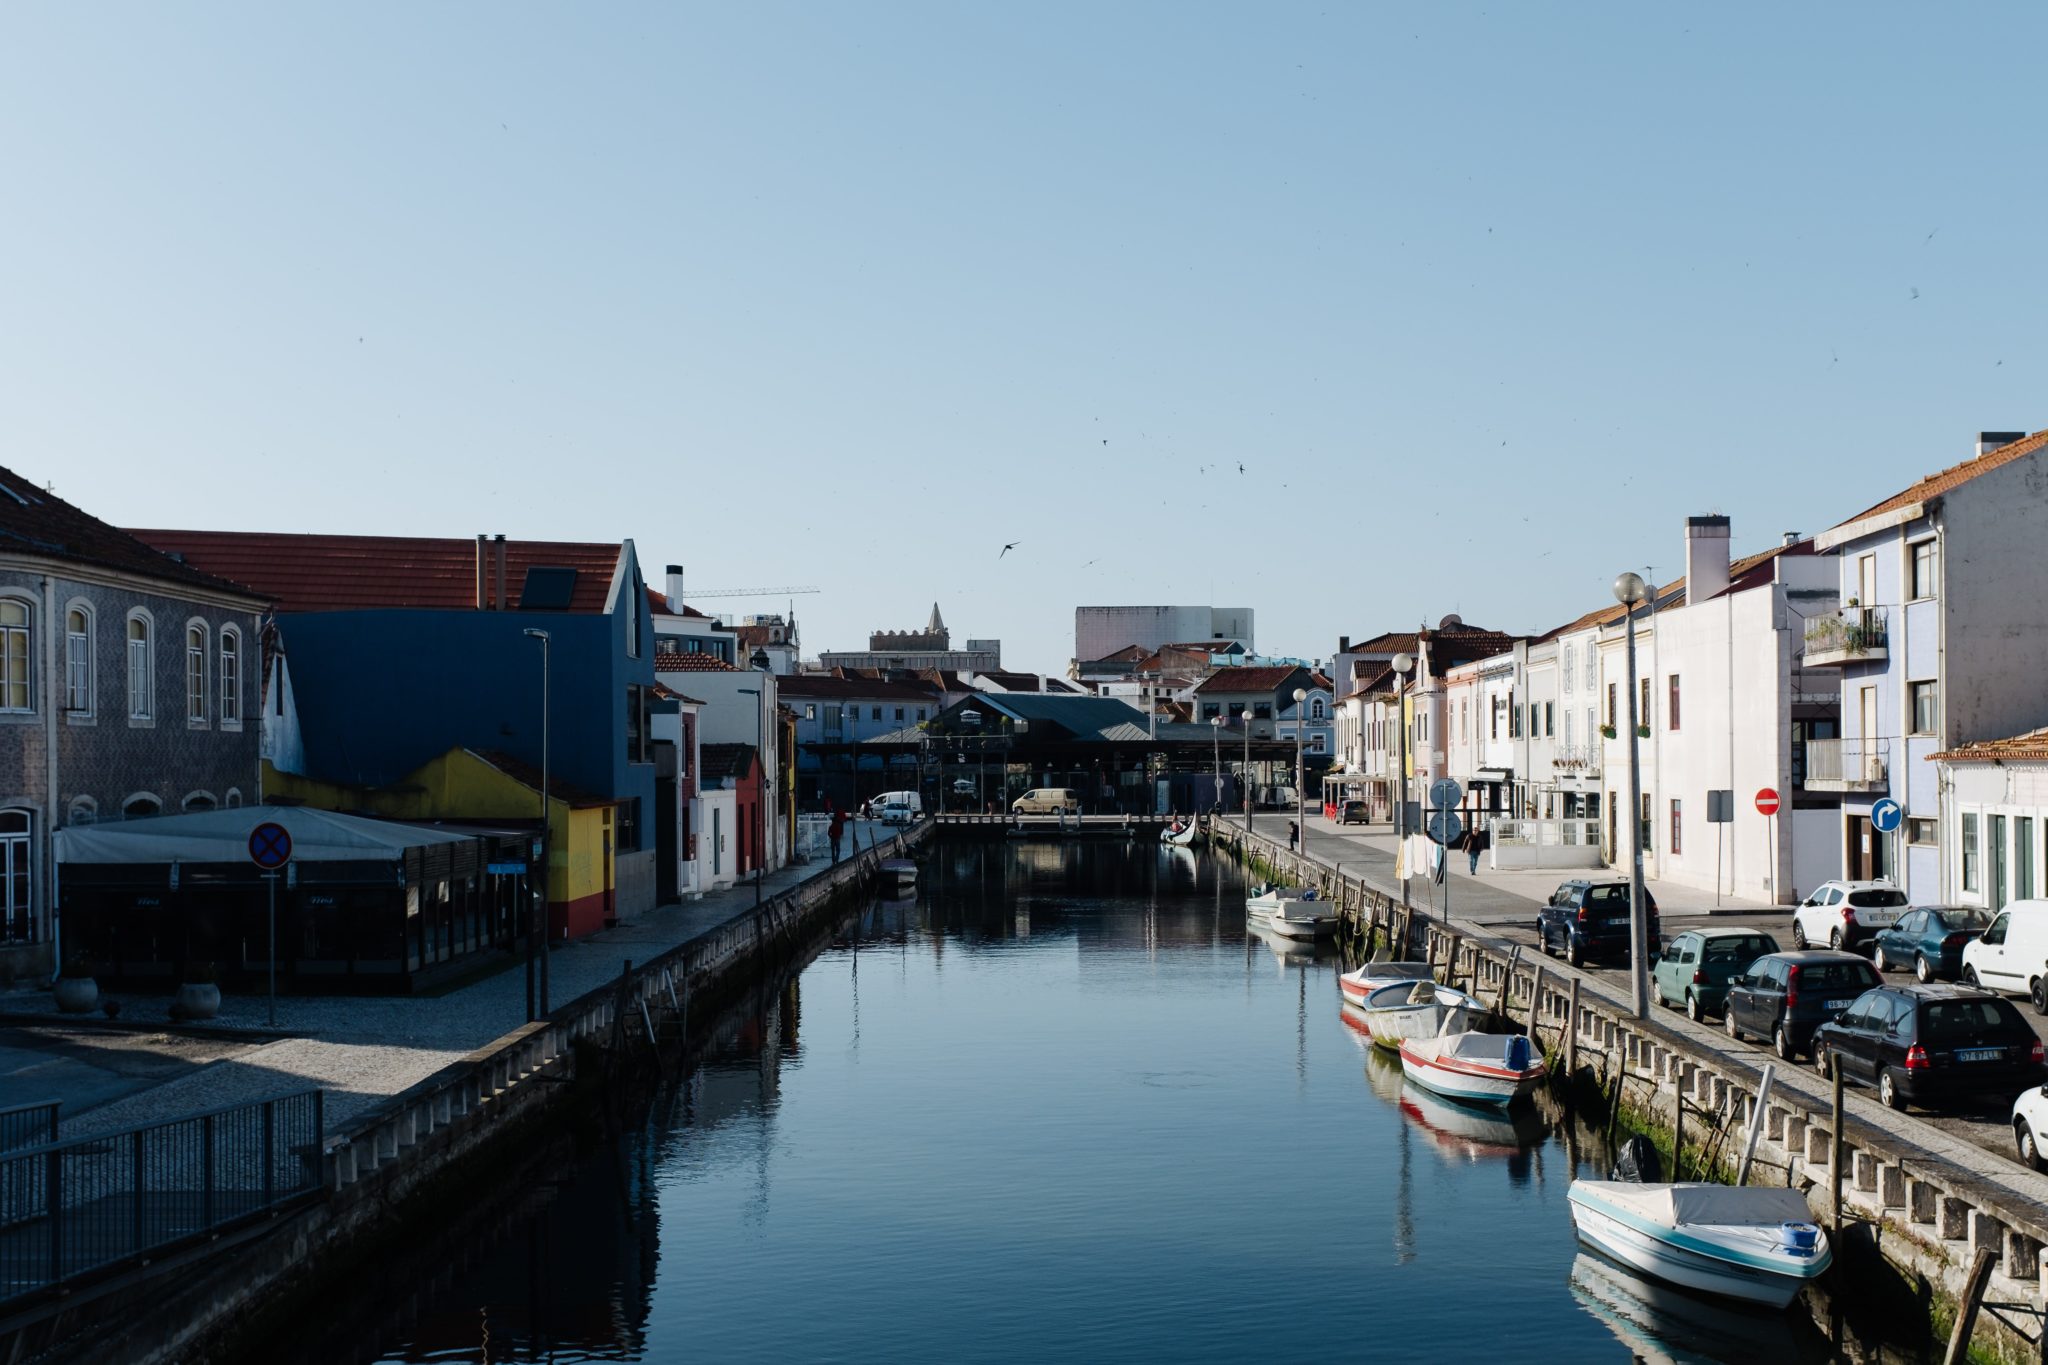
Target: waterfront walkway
[362,1049]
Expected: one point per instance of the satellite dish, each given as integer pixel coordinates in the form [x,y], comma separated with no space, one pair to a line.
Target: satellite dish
[1451,622]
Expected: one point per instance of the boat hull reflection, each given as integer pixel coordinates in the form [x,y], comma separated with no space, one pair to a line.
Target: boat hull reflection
[1661,1323]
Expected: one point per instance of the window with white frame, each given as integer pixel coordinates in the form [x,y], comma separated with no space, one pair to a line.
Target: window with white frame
[17,882]
[141,668]
[15,653]
[1969,851]
[1925,570]
[230,676]
[84,811]
[78,660]
[139,805]
[234,798]
[1924,697]
[195,673]
[1315,709]
[199,801]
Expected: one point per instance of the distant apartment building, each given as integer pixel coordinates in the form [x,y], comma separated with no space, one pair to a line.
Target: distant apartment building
[1100,632]
[931,647]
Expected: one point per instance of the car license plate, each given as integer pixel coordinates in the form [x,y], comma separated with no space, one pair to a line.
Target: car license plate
[1979,1054]
[1839,1004]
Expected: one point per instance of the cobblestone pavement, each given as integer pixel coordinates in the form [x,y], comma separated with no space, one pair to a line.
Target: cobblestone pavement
[363,1049]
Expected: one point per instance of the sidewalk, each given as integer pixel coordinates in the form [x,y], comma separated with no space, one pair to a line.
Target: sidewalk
[364,1049]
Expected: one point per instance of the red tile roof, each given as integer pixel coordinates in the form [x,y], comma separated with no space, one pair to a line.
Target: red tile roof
[1248,679]
[677,662]
[2031,745]
[1952,477]
[354,573]
[667,693]
[34,521]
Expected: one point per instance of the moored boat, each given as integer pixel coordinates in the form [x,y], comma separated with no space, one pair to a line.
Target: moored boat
[1373,975]
[1181,833]
[1268,900]
[1304,919]
[1754,1243]
[1494,1069]
[898,875]
[1418,1009]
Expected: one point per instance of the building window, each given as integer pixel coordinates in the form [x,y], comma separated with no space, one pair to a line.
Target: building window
[14,656]
[1643,702]
[140,805]
[1550,720]
[78,661]
[141,669]
[920,713]
[1920,830]
[810,710]
[1262,710]
[231,677]
[1969,851]
[634,604]
[195,673]
[1612,718]
[17,885]
[637,740]
[1677,846]
[1648,825]
[2022,857]
[84,811]
[1923,695]
[1318,744]
[1926,570]
[199,801]
[629,825]
[1671,705]
[899,715]
[1315,709]
[234,800]
[877,713]
[1569,655]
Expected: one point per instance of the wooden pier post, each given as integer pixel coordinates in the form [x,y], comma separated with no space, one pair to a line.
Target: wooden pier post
[1571,1034]
[1835,1154]
[1536,1007]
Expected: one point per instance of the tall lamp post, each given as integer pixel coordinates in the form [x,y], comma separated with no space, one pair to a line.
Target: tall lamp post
[1244,773]
[1403,665]
[1630,590]
[761,807]
[1300,778]
[1216,757]
[539,907]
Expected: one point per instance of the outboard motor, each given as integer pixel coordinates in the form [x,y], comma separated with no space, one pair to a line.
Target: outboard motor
[1638,1163]
[1518,1052]
[1799,1239]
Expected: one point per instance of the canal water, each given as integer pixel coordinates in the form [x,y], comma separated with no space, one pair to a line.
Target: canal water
[1059,1106]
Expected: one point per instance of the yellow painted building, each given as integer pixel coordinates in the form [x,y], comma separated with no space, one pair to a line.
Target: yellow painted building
[493,789]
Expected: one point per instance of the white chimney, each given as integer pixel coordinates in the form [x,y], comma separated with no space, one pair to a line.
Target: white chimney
[1988,441]
[1791,539]
[675,587]
[1706,557]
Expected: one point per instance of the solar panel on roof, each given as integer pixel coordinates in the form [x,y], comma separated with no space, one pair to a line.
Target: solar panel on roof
[548,588]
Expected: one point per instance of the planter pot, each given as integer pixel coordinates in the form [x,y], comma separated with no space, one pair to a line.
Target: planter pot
[77,994]
[198,1000]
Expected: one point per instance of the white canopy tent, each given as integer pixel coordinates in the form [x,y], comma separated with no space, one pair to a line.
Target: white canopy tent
[222,836]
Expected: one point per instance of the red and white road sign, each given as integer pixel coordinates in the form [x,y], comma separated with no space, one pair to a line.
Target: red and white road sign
[1767,801]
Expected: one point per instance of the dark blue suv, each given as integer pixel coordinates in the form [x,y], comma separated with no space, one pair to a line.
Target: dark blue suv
[1589,920]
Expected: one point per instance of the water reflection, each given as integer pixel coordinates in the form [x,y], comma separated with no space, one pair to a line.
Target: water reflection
[1661,1323]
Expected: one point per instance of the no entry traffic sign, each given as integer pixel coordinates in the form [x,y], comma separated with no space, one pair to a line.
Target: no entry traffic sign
[1767,801]
[270,846]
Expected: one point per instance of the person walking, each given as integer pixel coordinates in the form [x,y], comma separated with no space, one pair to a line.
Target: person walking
[1293,836]
[836,831]
[1476,843]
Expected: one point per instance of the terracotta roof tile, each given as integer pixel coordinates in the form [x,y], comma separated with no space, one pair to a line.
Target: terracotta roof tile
[666,661]
[1953,477]
[2031,745]
[1248,679]
[726,760]
[306,573]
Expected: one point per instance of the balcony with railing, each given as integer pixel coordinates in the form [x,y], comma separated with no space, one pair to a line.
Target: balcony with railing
[1853,635]
[1581,759]
[1846,765]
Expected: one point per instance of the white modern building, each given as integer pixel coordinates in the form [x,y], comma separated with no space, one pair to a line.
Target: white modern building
[1102,631]
[1995,817]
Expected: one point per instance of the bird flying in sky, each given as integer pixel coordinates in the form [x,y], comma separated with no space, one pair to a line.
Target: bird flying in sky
[1011,546]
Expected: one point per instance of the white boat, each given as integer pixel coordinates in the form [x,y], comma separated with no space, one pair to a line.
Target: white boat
[1268,901]
[1373,975]
[1754,1243]
[1304,919]
[898,875]
[1181,833]
[1493,1069]
[1418,1009]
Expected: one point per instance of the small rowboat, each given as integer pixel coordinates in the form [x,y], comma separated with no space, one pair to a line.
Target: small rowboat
[1373,975]
[1493,1069]
[1754,1243]
[1268,901]
[1418,1009]
[899,875]
[1181,833]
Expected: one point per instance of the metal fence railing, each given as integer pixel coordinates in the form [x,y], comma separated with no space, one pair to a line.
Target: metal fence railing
[28,1125]
[69,1209]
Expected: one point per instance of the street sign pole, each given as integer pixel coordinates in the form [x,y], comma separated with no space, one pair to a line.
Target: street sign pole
[271,877]
[1767,806]
[270,848]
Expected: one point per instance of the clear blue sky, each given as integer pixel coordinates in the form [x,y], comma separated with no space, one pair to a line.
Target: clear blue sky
[851,295]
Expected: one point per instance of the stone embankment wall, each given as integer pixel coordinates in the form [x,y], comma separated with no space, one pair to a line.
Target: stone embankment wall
[1926,1202]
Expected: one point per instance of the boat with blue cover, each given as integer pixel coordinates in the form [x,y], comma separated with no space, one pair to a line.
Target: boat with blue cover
[1754,1243]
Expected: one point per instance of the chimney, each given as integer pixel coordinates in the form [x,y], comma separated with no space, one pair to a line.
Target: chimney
[1791,539]
[1343,644]
[1988,441]
[675,587]
[482,582]
[498,551]
[1706,557]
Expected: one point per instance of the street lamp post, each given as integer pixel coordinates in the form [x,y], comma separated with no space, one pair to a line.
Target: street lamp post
[1216,757]
[761,805]
[1300,789]
[1244,773]
[538,908]
[1403,665]
[1630,590]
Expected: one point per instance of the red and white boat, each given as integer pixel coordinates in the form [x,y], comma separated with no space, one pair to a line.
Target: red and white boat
[1494,1069]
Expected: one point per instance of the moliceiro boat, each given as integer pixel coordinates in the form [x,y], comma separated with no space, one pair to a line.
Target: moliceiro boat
[1181,833]
[1493,1069]
[1418,1009]
[1752,1243]
[1373,975]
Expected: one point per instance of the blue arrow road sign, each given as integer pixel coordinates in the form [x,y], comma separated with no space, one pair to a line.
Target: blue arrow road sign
[1887,815]
[270,845]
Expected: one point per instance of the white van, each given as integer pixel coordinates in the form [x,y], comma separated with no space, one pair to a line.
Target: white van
[2012,955]
[1047,801]
[899,808]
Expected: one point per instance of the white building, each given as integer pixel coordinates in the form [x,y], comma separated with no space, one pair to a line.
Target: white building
[737,706]
[1102,631]
[1995,817]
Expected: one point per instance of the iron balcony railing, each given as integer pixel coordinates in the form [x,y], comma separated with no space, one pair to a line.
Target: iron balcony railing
[71,1209]
[1846,762]
[1849,633]
[28,1125]
[1577,758]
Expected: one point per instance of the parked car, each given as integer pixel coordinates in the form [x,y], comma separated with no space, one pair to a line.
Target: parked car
[2012,953]
[1930,939]
[899,808]
[1845,914]
[1355,813]
[1047,801]
[1698,964]
[1919,1044]
[1589,919]
[1786,996]
[2029,1122]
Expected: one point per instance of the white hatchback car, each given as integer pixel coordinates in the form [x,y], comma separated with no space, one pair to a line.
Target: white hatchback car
[2029,1119]
[1846,914]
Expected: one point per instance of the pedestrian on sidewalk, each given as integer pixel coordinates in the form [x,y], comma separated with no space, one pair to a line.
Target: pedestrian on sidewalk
[1293,836]
[837,831]
[1476,843]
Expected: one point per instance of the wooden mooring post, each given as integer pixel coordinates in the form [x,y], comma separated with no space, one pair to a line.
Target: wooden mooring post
[1571,1033]
[1973,1299]
[1536,1007]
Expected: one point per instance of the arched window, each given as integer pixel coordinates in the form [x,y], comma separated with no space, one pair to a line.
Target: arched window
[141,666]
[78,659]
[199,801]
[195,673]
[140,805]
[17,882]
[234,798]
[84,811]
[1315,709]
[230,677]
[15,653]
